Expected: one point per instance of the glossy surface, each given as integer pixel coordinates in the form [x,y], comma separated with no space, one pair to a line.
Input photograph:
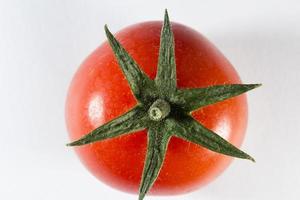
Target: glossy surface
[99,92]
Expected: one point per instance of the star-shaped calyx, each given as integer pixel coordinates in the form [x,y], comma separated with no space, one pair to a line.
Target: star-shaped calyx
[163,109]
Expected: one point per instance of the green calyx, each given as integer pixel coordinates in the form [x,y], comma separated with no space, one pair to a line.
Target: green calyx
[164,110]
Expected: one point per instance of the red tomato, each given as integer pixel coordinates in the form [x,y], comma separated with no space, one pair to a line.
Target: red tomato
[99,93]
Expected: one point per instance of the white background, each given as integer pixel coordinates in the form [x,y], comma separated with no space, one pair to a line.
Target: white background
[43,42]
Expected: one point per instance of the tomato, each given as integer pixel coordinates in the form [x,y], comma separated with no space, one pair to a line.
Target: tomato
[99,93]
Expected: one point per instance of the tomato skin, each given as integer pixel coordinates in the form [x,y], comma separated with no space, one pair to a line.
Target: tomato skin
[99,93]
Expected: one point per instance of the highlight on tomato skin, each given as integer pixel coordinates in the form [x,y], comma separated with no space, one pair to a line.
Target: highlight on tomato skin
[99,93]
